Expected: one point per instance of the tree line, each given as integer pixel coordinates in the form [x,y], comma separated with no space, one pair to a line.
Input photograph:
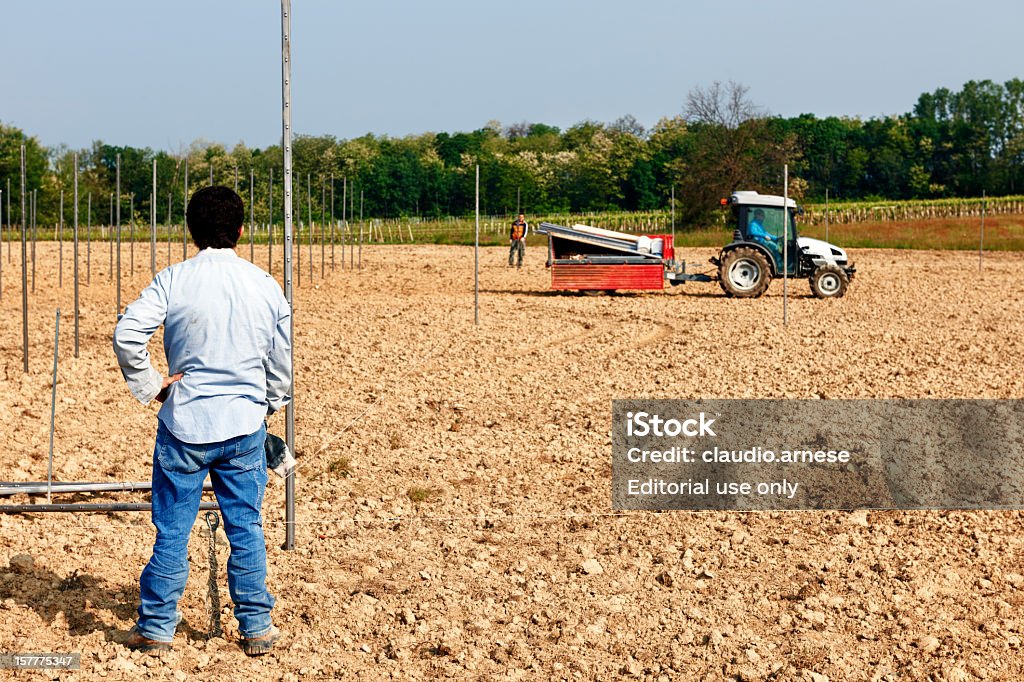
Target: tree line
[952,144]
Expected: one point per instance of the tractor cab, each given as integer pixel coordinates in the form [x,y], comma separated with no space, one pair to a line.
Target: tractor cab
[761,219]
[766,243]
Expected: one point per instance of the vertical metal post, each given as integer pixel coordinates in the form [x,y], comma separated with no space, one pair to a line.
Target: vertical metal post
[673,215]
[476,254]
[184,218]
[826,214]
[270,223]
[360,229]
[309,219]
[981,238]
[286,146]
[131,233]
[34,233]
[170,225]
[117,216]
[60,244]
[76,254]
[88,241]
[344,222]
[323,218]
[252,213]
[53,407]
[152,225]
[2,242]
[298,239]
[110,237]
[351,237]
[785,244]
[333,226]
[24,268]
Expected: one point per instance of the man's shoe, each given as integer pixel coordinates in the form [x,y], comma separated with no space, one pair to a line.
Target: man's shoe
[257,646]
[140,642]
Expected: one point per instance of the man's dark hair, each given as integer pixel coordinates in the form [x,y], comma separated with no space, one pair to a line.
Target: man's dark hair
[214,215]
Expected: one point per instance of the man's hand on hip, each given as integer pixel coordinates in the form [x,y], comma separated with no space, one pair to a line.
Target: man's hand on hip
[162,395]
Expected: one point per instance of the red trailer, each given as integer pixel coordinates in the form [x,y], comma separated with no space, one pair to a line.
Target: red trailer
[585,258]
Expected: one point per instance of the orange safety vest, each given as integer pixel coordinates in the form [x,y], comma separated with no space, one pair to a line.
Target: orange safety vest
[518,230]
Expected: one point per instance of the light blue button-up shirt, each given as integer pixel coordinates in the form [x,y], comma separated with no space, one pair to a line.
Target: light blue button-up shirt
[227,329]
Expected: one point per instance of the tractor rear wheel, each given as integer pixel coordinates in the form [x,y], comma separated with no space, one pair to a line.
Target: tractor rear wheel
[829,281]
[743,273]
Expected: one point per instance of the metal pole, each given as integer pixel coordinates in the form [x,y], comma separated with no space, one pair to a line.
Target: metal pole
[333,226]
[117,216]
[981,238]
[53,407]
[86,507]
[826,214]
[131,233]
[88,241]
[351,237]
[270,223]
[34,234]
[286,146]
[476,254]
[673,215]
[309,219]
[323,214]
[110,236]
[60,245]
[184,218]
[360,229]
[152,225]
[252,213]
[60,487]
[24,269]
[170,225]
[785,244]
[298,240]
[8,221]
[76,254]
[344,222]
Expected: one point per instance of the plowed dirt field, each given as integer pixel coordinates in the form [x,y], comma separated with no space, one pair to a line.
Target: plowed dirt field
[454,506]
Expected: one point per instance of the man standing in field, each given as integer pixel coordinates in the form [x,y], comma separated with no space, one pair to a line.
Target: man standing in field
[227,340]
[517,240]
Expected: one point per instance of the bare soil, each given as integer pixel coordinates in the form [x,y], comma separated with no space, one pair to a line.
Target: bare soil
[454,507]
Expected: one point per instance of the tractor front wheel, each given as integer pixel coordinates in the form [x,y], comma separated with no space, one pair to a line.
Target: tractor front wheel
[743,273]
[829,281]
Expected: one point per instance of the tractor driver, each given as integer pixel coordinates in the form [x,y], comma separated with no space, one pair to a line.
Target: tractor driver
[756,231]
[756,228]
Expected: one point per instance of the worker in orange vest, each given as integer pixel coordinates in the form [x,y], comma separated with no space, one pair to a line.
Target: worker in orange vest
[517,239]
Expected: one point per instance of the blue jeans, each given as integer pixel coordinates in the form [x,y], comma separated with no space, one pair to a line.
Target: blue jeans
[238,471]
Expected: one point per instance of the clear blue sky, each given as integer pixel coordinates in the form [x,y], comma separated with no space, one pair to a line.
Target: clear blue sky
[162,74]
